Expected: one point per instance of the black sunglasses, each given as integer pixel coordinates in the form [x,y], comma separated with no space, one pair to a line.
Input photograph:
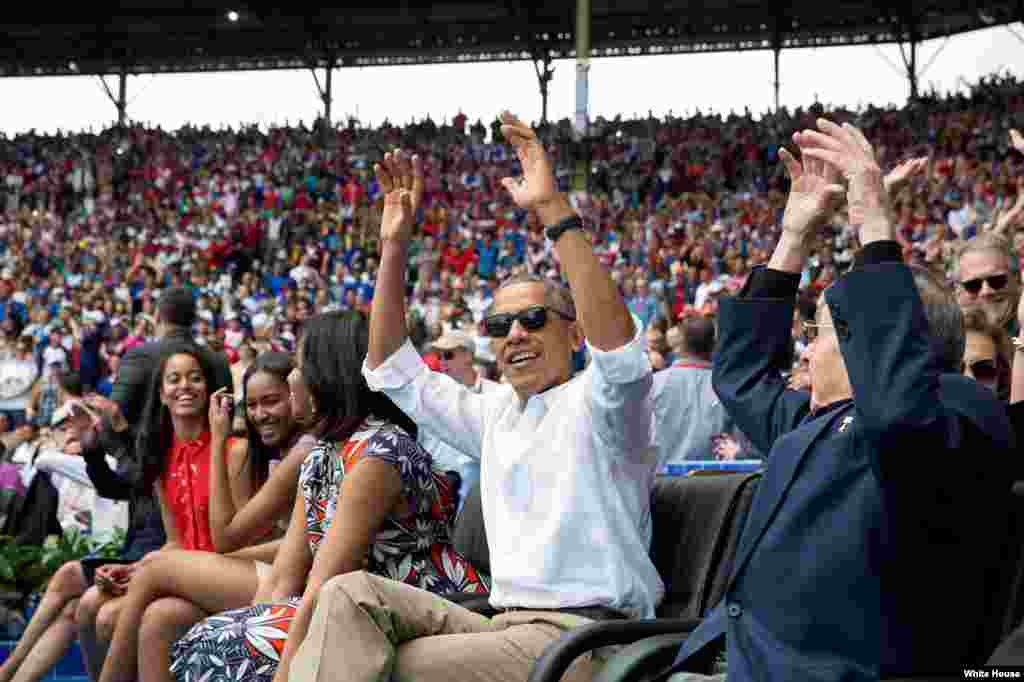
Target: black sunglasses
[995,282]
[985,371]
[532,318]
[448,355]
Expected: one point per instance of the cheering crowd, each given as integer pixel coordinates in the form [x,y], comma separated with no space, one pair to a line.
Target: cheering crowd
[304,348]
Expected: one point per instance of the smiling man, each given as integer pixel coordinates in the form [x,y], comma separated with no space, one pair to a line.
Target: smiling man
[567,467]
[988,282]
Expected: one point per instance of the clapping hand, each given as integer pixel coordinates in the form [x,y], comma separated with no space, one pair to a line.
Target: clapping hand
[401,180]
[845,149]
[899,176]
[814,193]
[537,186]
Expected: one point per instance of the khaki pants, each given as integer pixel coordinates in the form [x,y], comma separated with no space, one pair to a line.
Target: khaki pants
[368,628]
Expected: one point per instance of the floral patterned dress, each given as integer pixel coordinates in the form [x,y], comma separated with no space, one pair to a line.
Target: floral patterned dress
[412,546]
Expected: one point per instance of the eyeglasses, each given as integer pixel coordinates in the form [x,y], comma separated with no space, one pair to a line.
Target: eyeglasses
[995,282]
[984,371]
[811,329]
[532,318]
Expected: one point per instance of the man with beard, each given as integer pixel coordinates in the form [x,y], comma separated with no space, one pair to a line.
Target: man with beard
[987,281]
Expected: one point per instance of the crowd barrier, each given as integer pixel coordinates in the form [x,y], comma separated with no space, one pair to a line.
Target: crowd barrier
[687,468]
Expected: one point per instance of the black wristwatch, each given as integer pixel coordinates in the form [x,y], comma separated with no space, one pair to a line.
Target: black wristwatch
[553,232]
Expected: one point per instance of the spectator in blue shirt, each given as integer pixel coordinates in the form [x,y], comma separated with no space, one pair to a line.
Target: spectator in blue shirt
[487,251]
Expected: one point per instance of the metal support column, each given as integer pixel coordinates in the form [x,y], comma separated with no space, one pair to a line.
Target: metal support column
[121,100]
[582,65]
[542,64]
[777,50]
[122,97]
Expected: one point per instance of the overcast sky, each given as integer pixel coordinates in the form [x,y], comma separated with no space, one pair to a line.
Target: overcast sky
[626,85]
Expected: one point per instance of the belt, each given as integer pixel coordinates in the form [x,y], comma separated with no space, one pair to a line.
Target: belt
[591,612]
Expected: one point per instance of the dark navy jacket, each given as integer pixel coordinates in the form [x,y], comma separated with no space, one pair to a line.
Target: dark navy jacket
[865,553]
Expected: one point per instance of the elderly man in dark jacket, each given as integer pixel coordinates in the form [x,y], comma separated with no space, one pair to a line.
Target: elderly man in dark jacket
[893,476]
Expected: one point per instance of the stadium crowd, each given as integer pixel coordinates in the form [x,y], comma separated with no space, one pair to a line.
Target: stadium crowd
[197,305]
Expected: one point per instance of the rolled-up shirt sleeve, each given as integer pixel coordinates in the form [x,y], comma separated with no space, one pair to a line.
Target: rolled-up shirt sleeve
[434,401]
[619,396]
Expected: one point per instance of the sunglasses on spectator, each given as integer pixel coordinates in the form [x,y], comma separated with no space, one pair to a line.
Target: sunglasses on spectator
[984,371]
[995,282]
[531,319]
[448,355]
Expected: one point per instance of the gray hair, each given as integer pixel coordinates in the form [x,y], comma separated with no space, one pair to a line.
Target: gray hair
[556,296]
[945,318]
[987,242]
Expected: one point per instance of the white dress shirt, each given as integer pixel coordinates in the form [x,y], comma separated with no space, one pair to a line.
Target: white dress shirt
[449,458]
[566,478]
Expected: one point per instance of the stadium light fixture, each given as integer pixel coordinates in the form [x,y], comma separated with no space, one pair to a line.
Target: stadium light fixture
[232,16]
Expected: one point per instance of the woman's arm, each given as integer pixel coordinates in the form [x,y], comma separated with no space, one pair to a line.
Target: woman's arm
[230,487]
[265,553]
[368,494]
[250,518]
[293,561]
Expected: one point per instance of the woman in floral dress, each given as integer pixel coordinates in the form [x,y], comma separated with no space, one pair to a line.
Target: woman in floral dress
[394,511]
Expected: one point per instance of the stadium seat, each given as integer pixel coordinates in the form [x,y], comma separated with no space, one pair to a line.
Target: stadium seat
[470,539]
[697,524]
[651,646]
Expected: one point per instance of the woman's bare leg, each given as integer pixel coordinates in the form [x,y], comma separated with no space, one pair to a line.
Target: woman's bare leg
[212,582]
[51,647]
[165,621]
[67,584]
[93,651]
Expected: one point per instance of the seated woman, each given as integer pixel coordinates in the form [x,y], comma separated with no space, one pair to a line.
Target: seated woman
[393,513]
[54,625]
[173,442]
[180,588]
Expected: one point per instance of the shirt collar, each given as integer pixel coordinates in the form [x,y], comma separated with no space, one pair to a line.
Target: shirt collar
[178,444]
[827,409]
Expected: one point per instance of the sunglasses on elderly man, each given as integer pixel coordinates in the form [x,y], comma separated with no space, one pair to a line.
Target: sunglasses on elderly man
[995,282]
[533,318]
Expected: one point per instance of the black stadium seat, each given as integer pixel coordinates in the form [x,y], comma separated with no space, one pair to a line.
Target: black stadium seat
[697,524]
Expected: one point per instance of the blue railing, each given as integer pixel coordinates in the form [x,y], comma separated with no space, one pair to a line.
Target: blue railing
[70,668]
[685,468]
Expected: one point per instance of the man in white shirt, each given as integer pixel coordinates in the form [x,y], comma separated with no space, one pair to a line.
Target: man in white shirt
[566,463]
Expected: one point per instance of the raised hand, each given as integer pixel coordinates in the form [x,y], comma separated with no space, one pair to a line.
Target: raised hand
[847,150]
[814,193]
[1017,140]
[220,414]
[899,176]
[537,185]
[401,180]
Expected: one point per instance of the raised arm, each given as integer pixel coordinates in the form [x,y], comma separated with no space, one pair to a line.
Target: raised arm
[605,320]
[433,400]
[893,365]
[401,181]
[755,334]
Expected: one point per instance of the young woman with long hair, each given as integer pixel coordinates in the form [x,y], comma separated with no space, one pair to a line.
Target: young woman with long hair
[246,502]
[371,499]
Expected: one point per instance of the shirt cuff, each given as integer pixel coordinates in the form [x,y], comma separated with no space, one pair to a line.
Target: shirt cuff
[767,283]
[626,364]
[398,370]
[875,253]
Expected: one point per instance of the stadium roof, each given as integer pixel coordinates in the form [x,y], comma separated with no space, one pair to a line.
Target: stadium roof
[157,36]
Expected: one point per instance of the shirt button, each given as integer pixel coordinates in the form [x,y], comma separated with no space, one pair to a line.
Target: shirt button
[734,610]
